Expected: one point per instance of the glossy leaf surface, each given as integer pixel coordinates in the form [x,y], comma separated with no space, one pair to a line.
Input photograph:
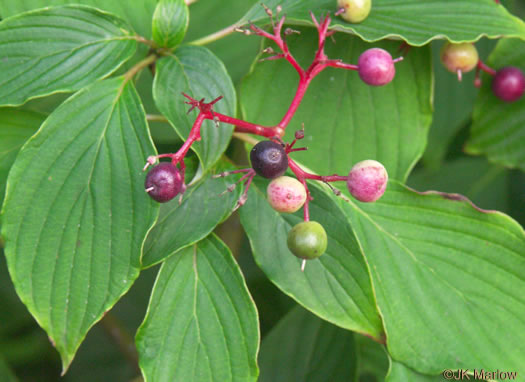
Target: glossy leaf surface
[139,15]
[16,127]
[197,72]
[401,373]
[59,49]
[414,21]
[201,322]
[76,214]
[336,287]
[204,205]
[302,347]
[454,271]
[170,22]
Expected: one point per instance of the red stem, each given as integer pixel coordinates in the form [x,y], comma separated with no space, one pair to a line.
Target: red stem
[304,81]
[302,175]
[247,127]
[195,135]
[320,62]
[487,69]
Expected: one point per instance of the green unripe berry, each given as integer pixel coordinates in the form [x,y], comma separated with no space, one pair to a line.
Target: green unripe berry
[307,240]
[354,11]
[459,57]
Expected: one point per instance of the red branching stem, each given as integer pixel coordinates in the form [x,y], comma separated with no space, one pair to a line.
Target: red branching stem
[299,95]
[487,69]
[322,31]
[302,175]
[281,43]
[247,127]
[319,63]
[195,135]
[340,64]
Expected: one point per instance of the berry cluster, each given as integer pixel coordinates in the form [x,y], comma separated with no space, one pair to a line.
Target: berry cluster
[508,83]
[270,158]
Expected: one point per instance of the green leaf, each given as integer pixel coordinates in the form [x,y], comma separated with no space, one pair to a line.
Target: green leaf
[6,374]
[201,322]
[197,72]
[170,22]
[401,373]
[75,214]
[236,50]
[302,347]
[487,185]
[413,21]
[336,287]
[454,272]
[16,126]
[372,359]
[348,120]
[205,204]
[498,129]
[138,13]
[453,102]
[59,50]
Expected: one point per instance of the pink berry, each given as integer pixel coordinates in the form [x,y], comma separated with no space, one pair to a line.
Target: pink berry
[286,194]
[376,67]
[163,182]
[508,84]
[367,180]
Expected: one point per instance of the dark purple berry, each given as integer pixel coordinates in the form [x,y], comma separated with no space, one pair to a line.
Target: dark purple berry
[269,159]
[376,67]
[508,84]
[163,182]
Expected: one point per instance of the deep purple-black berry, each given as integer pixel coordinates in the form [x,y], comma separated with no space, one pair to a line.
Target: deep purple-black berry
[509,84]
[269,159]
[163,182]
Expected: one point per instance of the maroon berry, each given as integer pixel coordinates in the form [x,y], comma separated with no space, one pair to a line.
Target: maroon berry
[508,84]
[367,180]
[269,159]
[163,182]
[376,67]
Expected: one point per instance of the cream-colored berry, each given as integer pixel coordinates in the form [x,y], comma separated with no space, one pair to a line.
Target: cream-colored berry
[286,194]
[355,11]
[459,57]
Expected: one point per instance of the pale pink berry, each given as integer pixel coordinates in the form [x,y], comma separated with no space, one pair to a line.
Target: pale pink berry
[376,67]
[367,180]
[286,194]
